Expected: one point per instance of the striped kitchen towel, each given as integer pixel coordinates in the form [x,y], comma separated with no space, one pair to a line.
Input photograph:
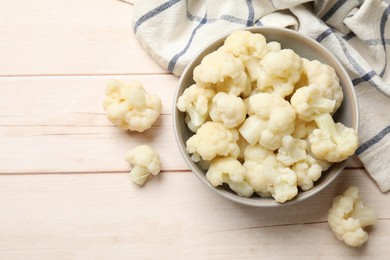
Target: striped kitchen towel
[357,32]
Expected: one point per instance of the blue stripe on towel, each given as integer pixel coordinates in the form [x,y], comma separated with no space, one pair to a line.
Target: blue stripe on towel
[349,36]
[373,42]
[351,60]
[324,35]
[175,58]
[333,10]
[159,9]
[362,148]
[251,13]
[228,18]
[366,77]
[382,33]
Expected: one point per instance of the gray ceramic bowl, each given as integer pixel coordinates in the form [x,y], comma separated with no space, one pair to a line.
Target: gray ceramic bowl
[303,46]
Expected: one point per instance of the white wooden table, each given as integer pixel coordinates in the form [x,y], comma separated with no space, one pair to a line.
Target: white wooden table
[65,192]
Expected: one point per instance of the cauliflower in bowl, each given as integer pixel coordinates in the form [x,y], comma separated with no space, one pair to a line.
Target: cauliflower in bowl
[261,118]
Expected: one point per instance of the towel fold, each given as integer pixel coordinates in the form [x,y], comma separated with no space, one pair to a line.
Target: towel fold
[357,32]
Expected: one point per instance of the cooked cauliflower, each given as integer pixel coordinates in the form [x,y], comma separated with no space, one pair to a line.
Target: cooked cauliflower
[308,171]
[252,128]
[309,102]
[277,72]
[276,118]
[196,102]
[130,107]
[145,161]
[267,176]
[325,77]
[213,139]
[291,151]
[221,71]
[245,45]
[332,142]
[228,109]
[230,171]
[242,144]
[255,156]
[303,129]
[268,110]
[347,218]
[282,180]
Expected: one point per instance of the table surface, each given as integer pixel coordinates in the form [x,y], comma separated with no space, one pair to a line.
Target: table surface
[65,191]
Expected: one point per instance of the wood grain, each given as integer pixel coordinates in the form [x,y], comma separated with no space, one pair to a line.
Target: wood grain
[89,37]
[57,124]
[106,216]
[65,192]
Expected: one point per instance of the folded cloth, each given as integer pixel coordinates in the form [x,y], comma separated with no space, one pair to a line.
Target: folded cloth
[357,32]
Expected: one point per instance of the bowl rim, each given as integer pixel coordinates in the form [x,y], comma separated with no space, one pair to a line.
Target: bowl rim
[263,202]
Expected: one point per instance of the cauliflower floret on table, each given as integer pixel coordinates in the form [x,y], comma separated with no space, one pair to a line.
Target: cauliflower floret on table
[130,107]
[347,218]
[308,102]
[274,119]
[325,77]
[145,161]
[230,171]
[228,109]
[195,101]
[213,139]
[333,142]
[223,72]
[276,72]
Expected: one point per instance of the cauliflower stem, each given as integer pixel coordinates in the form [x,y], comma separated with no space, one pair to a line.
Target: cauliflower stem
[326,123]
[365,215]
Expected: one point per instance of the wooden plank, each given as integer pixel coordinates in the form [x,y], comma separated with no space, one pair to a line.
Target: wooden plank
[57,124]
[87,37]
[52,124]
[105,216]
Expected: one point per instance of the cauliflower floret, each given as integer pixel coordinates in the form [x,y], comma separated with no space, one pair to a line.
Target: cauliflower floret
[252,128]
[221,71]
[303,129]
[196,102]
[130,107]
[255,157]
[230,171]
[332,142]
[267,176]
[276,118]
[244,45]
[309,102]
[277,72]
[325,77]
[213,139]
[228,109]
[242,144]
[291,151]
[145,161]
[282,180]
[308,171]
[347,217]
[274,46]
